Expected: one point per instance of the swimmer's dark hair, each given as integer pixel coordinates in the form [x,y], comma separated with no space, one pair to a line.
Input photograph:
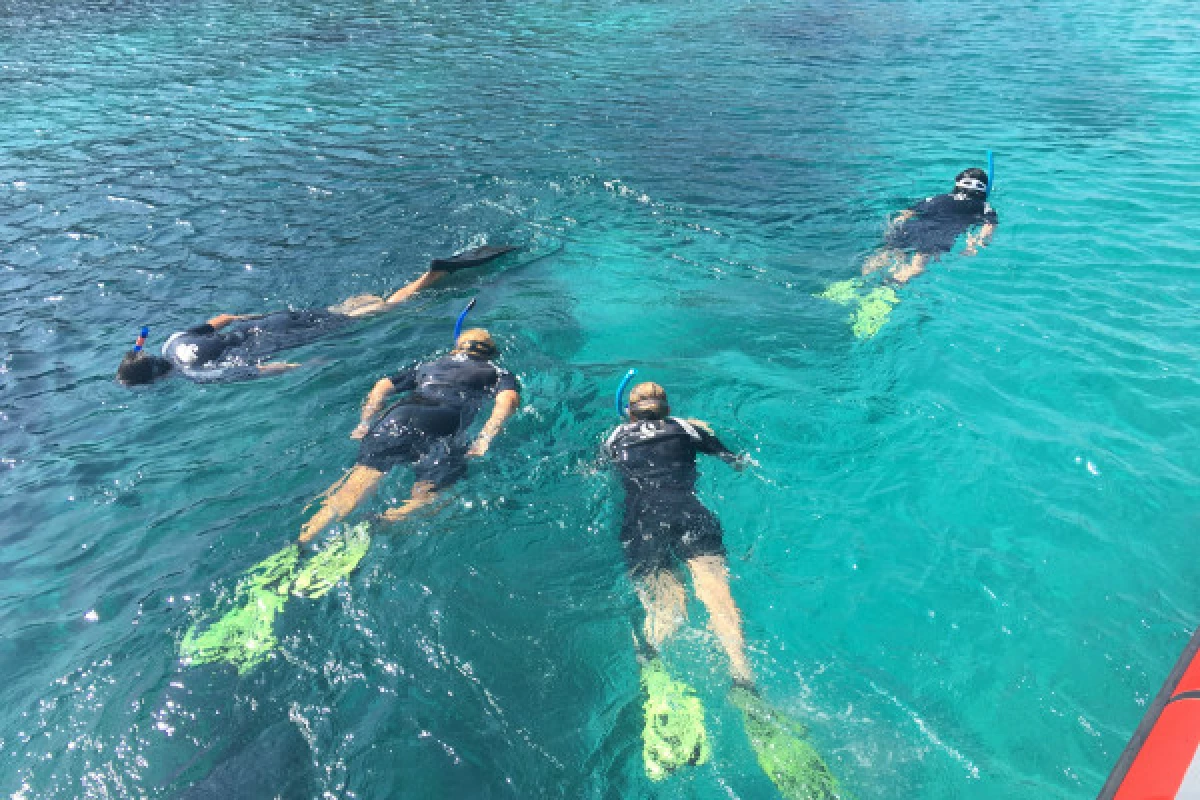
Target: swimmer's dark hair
[140,368]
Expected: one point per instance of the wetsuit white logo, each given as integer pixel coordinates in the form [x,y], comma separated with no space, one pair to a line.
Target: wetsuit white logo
[187,352]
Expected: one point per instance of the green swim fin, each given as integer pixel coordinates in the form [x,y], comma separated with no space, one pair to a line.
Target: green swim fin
[244,636]
[843,292]
[790,761]
[674,734]
[873,311]
[337,559]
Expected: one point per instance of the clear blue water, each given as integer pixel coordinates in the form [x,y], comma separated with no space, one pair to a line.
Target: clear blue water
[968,558]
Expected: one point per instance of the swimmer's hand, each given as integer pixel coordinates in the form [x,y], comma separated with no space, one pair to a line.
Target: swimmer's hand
[360,431]
[479,447]
[745,460]
[274,367]
[393,515]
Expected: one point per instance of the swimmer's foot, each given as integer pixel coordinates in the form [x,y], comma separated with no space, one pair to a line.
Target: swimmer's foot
[674,734]
[244,636]
[336,559]
[873,311]
[783,751]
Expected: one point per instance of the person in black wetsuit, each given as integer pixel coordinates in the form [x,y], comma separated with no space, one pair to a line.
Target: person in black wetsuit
[427,428]
[231,347]
[932,226]
[655,455]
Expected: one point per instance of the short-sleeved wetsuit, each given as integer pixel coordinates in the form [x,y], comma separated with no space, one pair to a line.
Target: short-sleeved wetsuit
[427,427]
[207,355]
[663,517]
[939,221]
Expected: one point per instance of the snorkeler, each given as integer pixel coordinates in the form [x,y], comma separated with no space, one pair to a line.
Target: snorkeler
[655,455]
[232,347]
[932,226]
[426,428]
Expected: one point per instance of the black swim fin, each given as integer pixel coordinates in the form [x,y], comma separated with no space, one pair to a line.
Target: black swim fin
[469,258]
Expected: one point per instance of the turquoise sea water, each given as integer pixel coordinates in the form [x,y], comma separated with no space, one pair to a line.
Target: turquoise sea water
[968,557]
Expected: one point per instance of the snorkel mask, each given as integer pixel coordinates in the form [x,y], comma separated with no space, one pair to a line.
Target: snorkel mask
[973,181]
[476,343]
[971,185]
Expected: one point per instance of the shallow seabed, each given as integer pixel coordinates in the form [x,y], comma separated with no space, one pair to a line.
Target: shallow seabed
[968,557]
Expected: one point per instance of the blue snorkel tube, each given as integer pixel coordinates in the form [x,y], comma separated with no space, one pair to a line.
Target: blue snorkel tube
[141,339]
[991,173]
[458,325]
[618,401]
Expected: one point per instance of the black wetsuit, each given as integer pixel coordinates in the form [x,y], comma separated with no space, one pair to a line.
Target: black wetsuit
[939,221]
[428,427]
[663,516]
[233,353]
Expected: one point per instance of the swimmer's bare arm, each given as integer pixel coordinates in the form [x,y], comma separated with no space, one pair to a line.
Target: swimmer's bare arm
[981,239]
[379,394]
[505,406]
[275,367]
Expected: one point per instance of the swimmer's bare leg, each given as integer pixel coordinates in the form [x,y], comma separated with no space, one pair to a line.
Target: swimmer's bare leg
[665,602]
[912,269]
[363,305]
[423,493]
[879,260]
[340,499]
[360,305]
[424,282]
[710,577]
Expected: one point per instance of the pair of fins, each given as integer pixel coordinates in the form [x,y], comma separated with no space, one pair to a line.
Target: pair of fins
[244,636]
[871,308]
[674,737]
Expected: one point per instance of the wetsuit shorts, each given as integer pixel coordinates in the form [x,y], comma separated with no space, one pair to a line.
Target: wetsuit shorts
[921,238]
[425,436]
[662,526]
